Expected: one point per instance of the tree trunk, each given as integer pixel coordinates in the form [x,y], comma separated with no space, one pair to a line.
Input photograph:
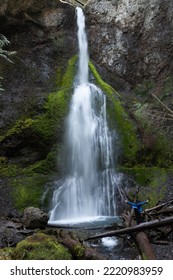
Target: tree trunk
[144,245]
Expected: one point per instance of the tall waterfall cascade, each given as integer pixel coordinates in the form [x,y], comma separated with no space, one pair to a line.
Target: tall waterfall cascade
[88,189]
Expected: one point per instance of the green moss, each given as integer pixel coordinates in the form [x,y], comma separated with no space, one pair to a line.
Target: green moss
[152,182]
[68,78]
[40,247]
[119,118]
[79,251]
[55,109]
[58,78]
[19,128]
[147,176]
[8,169]
[46,166]
[56,106]
[157,149]
[144,257]
[28,191]
[5,253]
[45,131]
[163,151]
[51,121]
[104,86]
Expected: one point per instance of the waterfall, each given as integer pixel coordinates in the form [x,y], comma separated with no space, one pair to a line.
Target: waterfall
[89,186]
[83,47]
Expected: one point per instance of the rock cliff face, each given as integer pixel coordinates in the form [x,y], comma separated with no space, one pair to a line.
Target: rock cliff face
[42,34]
[131,38]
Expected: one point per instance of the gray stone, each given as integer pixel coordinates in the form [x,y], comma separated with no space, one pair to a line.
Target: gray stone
[137,33]
[34,218]
[9,233]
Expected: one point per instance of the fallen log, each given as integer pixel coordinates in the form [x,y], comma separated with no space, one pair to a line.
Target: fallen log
[137,228]
[142,241]
[76,248]
[155,208]
[144,245]
[168,210]
[159,206]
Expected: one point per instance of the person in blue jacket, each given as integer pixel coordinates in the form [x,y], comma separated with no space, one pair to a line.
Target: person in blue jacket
[137,206]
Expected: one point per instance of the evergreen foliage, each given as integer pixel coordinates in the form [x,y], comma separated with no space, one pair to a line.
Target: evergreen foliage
[5,53]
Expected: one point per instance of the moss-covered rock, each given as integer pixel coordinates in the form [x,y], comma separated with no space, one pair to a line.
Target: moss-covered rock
[45,166]
[8,169]
[29,148]
[5,253]
[152,182]
[28,190]
[48,126]
[19,128]
[40,247]
[79,251]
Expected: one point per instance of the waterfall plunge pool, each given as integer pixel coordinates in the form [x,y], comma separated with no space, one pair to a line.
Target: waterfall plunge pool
[92,222]
[91,225]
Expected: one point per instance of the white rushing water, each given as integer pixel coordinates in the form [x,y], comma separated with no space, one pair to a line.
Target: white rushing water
[88,189]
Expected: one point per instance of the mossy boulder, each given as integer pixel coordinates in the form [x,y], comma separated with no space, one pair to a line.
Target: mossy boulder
[5,253]
[79,251]
[40,247]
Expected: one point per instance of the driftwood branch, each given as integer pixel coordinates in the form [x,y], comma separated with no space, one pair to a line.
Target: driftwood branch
[138,228]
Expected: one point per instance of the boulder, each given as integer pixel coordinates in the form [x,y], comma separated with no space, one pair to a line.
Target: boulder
[10,233]
[34,218]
